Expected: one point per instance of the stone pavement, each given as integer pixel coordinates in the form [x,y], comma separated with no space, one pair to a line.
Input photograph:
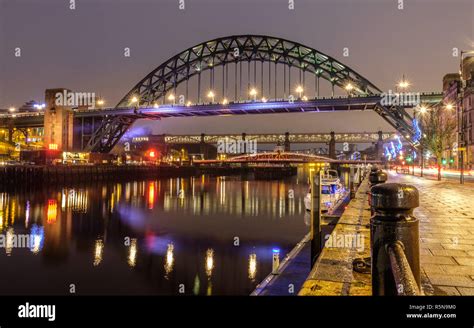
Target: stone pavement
[446,216]
[332,273]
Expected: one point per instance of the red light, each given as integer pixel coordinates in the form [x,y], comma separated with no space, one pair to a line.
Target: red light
[152,153]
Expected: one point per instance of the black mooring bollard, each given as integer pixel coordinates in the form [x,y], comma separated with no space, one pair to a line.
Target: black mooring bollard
[394,224]
[375,178]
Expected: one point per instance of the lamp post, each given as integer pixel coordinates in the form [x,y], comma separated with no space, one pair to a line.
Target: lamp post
[460,121]
[135,101]
[253,93]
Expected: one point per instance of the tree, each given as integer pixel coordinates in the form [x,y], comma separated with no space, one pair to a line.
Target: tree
[439,129]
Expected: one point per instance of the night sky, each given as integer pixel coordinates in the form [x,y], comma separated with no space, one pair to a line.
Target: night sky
[82,49]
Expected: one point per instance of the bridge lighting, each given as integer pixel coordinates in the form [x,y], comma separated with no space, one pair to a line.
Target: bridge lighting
[225,101]
[11,109]
[264,99]
[39,106]
[211,95]
[253,93]
[100,102]
[188,104]
[171,97]
[304,98]
[423,109]
[299,90]
[349,87]
[403,84]
[155,105]
[449,106]
[134,100]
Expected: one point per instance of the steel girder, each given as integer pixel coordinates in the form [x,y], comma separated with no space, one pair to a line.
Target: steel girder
[109,133]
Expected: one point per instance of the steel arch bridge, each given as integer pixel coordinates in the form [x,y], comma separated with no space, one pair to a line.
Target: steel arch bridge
[233,52]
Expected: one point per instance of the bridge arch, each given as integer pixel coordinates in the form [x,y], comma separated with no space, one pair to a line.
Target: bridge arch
[244,48]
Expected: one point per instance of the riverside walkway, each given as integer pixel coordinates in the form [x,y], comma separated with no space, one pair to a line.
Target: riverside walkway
[446,216]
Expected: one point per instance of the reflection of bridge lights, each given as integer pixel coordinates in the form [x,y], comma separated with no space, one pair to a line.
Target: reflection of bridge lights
[37,234]
[209,262]
[252,266]
[98,252]
[9,241]
[27,213]
[132,253]
[151,195]
[169,260]
[52,211]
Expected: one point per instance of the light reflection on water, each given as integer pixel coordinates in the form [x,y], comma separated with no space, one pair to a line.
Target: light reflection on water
[199,235]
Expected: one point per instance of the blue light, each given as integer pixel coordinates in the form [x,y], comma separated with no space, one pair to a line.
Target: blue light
[417,129]
[276,250]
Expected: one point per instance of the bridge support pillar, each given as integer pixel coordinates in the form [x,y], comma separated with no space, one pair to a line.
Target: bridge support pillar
[202,146]
[379,146]
[332,146]
[287,141]
[58,121]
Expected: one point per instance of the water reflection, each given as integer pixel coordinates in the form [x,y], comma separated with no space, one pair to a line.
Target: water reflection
[180,231]
[132,253]
[209,262]
[98,251]
[169,260]
[252,266]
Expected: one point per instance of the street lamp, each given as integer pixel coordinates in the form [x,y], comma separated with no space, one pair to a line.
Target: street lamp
[100,102]
[449,106]
[264,99]
[171,97]
[211,95]
[225,101]
[403,84]
[11,109]
[349,87]
[135,101]
[253,93]
[299,90]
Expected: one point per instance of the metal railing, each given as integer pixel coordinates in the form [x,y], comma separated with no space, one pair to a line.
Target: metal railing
[402,273]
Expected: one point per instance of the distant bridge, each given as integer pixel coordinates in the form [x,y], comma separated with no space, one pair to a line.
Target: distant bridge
[279,158]
[273,138]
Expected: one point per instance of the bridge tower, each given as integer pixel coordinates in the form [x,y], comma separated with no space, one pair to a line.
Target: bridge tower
[58,122]
[332,146]
[379,147]
[202,146]
[287,141]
